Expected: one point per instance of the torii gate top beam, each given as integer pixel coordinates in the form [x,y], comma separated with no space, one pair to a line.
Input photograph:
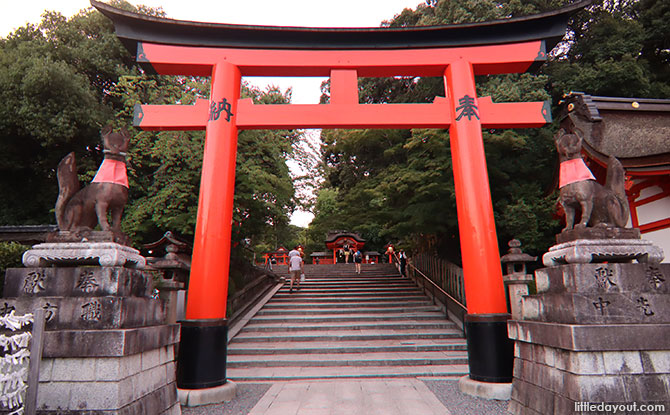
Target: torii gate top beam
[132,28]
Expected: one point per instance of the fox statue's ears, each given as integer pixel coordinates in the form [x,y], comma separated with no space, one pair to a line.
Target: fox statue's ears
[111,140]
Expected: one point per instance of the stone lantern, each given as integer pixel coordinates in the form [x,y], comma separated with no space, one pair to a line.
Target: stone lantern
[516,279]
[173,270]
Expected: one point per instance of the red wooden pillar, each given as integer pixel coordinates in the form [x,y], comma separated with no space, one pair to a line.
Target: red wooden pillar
[490,353]
[204,334]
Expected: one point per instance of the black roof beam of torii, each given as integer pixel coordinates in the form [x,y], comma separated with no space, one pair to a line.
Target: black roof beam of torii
[132,28]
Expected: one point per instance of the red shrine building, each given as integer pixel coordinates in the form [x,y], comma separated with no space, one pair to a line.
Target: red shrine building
[337,242]
[637,132]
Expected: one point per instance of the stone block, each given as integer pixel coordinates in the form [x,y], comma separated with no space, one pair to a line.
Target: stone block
[171,372]
[126,391]
[515,408]
[77,282]
[545,355]
[622,362]
[46,367]
[93,313]
[647,388]
[605,308]
[604,278]
[174,410]
[150,380]
[580,337]
[108,343]
[117,368]
[517,352]
[594,388]
[525,350]
[73,370]
[655,361]
[159,401]
[95,396]
[132,364]
[54,396]
[581,363]
[543,283]
[563,405]
[540,400]
[518,389]
[151,359]
[162,355]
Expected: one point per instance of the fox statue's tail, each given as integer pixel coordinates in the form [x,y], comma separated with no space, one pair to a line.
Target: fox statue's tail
[68,185]
[616,177]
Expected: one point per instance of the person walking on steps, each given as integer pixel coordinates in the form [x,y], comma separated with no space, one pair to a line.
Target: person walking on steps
[347,252]
[403,262]
[358,258]
[295,268]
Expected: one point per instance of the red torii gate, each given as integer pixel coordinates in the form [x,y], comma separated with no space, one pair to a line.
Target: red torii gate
[228,52]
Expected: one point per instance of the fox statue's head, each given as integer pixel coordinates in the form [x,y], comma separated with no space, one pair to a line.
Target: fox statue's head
[115,143]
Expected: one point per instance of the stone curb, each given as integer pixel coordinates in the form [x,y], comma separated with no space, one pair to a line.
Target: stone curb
[486,390]
[199,397]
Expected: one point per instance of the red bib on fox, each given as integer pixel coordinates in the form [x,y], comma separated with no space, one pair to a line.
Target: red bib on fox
[572,171]
[112,171]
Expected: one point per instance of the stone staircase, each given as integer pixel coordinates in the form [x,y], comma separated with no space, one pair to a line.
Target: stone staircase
[343,325]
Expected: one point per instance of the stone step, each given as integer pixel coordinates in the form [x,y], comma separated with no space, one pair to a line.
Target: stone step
[330,326]
[351,359]
[278,298]
[284,294]
[333,310]
[342,325]
[308,288]
[340,335]
[345,305]
[358,282]
[281,373]
[315,318]
[346,346]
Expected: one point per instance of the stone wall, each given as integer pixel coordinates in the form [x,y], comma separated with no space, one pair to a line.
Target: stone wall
[107,349]
[594,333]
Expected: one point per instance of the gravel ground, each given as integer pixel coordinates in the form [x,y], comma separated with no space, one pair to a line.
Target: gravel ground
[461,404]
[248,395]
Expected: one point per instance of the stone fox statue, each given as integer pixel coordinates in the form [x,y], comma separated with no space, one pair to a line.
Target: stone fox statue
[605,206]
[80,210]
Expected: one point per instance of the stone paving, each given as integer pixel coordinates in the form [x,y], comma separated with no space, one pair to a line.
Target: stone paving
[427,396]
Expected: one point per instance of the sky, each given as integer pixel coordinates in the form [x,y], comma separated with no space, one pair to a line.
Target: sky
[308,13]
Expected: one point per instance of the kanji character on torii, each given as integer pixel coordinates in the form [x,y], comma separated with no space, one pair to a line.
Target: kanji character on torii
[456,53]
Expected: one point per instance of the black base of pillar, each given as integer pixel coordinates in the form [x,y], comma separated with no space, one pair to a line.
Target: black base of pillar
[490,350]
[201,361]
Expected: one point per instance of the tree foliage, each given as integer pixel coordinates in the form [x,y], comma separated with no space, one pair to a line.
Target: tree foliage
[397,185]
[64,79]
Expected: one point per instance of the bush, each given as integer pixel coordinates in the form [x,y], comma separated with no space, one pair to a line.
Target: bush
[10,256]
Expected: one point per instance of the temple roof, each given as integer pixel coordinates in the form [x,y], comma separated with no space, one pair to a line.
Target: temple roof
[132,28]
[335,235]
[634,130]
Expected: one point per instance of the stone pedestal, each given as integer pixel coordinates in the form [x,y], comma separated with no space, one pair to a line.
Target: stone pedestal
[595,332]
[107,349]
[105,254]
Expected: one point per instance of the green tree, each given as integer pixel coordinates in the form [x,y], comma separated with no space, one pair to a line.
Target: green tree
[62,80]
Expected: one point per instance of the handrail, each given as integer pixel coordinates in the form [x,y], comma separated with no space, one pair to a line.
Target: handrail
[425,277]
[453,307]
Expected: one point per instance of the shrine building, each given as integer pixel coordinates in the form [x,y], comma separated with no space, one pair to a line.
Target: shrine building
[336,241]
